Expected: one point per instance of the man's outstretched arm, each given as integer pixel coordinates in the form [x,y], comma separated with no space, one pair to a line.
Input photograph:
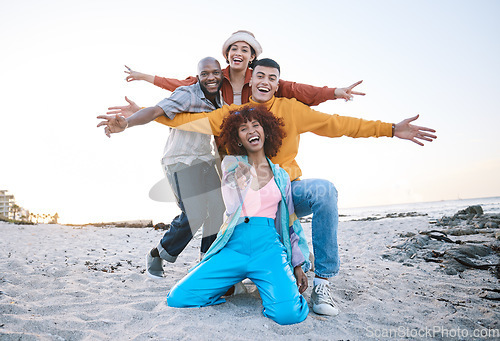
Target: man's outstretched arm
[205,123]
[307,119]
[121,117]
[116,123]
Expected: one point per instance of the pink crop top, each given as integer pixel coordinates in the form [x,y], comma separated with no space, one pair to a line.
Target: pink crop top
[262,203]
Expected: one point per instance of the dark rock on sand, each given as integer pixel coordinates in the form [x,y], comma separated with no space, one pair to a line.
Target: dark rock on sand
[476,210]
[454,255]
[473,251]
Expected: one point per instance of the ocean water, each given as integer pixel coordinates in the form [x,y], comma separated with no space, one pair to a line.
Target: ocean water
[434,209]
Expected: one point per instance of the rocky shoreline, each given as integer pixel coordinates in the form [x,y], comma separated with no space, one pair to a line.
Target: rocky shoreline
[470,239]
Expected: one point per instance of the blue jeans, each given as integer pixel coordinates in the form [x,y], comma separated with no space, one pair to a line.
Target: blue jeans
[319,197]
[254,251]
[197,189]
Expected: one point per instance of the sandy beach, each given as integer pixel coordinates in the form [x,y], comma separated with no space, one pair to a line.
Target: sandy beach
[88,283]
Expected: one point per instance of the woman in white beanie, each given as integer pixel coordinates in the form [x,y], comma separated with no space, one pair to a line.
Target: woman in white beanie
[240,50]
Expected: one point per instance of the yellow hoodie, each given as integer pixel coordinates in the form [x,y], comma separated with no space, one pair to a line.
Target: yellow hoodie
[298,119]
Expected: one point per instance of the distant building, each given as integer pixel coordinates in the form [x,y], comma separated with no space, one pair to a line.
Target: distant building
[8,206]
[6,202]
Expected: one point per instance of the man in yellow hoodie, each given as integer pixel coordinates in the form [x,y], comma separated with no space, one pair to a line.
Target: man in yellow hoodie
[316,196]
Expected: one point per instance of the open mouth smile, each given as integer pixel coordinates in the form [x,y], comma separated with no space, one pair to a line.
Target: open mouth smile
[212,85]
[254,140]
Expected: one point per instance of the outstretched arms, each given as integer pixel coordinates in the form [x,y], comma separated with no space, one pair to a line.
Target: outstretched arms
[117,123]
[309,120]
[180,101]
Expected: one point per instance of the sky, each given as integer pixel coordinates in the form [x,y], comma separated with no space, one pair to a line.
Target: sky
[62,65]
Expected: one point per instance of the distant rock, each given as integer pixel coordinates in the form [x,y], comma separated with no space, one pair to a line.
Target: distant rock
[476,209]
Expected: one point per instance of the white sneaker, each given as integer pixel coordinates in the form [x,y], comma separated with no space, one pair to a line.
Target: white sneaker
[240,288]
[322,299]
[237,289]
[154,267]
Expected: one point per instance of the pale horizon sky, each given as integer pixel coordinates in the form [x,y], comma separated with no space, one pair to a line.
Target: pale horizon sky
[62,65]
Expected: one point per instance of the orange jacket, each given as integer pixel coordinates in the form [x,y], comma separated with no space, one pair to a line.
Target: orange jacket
[307,94]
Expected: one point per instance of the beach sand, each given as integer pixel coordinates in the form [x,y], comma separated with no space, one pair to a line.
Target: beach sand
[88,283]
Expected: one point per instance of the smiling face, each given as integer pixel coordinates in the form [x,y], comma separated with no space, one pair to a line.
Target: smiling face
[251,136]
[264,83]
[240,55]
[210,76]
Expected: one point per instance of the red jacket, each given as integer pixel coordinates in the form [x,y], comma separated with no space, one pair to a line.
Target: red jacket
[307,94]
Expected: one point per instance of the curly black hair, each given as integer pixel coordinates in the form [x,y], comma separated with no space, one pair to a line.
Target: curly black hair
[273,129]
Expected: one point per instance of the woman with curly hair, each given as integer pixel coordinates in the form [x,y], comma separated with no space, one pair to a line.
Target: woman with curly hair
[261,238]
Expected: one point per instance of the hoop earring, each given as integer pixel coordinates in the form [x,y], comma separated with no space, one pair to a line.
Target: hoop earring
[239,144]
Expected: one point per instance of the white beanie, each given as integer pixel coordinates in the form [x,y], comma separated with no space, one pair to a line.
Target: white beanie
[245,36]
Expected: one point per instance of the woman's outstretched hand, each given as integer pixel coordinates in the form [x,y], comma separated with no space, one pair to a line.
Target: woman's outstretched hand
[138,76]
[347,92]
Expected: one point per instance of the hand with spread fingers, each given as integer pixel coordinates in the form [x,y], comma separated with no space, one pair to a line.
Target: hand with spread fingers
[113,124]
[126,110]
[347,93]
[407,131]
